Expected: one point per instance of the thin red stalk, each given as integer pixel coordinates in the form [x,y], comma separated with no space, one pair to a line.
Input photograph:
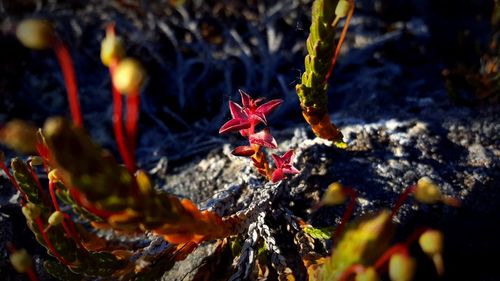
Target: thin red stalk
[398,248]
[88,206]
[51,247]
[402,198]
[56,206]
[31,273]
[10,247]
[68,225]
[38,184]
[123,148]
[133,108]
[347,213]
[72,230]
[68,71]
[43,152]
[355,268]
[53,195]
[341,40]
[415,235]
[110,29]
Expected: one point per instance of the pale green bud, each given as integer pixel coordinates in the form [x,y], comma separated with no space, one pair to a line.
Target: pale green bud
[36,34]
[334,195]
[402,267]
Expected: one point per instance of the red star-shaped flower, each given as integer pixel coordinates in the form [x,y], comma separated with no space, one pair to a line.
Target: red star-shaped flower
[248,115]
[283,166]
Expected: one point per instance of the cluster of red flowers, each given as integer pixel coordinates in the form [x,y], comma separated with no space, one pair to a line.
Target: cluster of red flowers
[245,119]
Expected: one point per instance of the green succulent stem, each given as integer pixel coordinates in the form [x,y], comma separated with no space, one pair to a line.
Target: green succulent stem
[322,53]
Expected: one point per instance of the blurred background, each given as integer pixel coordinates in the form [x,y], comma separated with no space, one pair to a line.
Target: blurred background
[199,53]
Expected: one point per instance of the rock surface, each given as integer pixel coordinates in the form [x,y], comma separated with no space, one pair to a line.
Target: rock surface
[457,148]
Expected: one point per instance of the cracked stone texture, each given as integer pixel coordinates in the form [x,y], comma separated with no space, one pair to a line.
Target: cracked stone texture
[457,148]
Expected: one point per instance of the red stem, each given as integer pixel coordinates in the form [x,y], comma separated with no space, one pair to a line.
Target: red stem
[398,248]
[72,230]
[262,164]
[133,107]
[341,40]
[68,224]
[110,29]
[53,195]
[402,198]
[415,235]
[347,213]
[87,205]
[10,247]
[43,152]
[51,247]
[355,268]
[38,184]
[31,273]
[67,229]
[123,148]
[68,71]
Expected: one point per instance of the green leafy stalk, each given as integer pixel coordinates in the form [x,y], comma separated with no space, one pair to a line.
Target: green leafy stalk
[78,260]
[124,201]
[322,50]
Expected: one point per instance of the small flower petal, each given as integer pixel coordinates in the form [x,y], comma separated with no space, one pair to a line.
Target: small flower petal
[283,163]
[257,101]
[246,100]
[263,138]
[236,111]
[277,161]
[269,106]
[287,157]
[260,117]
[291,170]
[245,151]
[234,125]
[277,175]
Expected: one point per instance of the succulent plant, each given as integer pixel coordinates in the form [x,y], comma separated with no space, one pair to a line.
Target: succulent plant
[245,119]
[319,63]
[364,251]
[123,199]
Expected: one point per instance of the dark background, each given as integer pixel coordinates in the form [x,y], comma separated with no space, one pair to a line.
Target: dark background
[198,56]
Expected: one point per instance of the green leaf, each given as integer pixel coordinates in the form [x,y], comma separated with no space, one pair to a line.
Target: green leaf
[323,233]
[60,271]
[26,182]
[364,240]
